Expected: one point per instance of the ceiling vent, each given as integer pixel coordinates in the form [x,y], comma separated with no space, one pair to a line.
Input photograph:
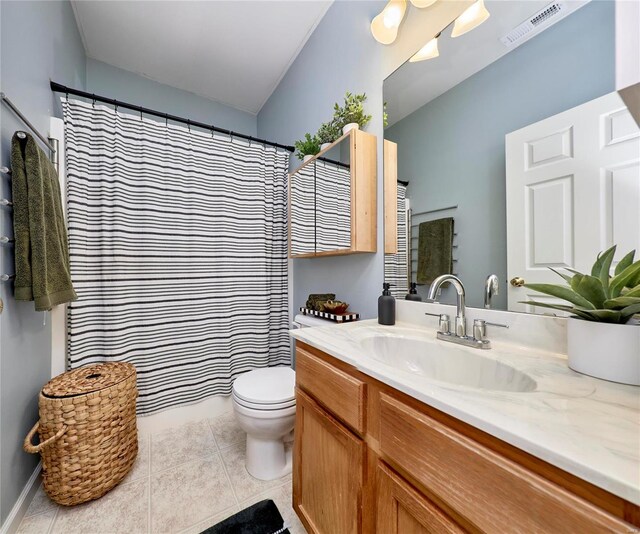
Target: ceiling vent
[542,20]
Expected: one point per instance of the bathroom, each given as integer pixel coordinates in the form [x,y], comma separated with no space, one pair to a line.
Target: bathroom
[213,252]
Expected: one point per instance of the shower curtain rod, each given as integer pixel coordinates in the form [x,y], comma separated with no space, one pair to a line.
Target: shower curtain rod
[59,88]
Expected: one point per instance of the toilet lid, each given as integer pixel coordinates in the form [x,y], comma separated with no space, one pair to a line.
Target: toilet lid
[272,385]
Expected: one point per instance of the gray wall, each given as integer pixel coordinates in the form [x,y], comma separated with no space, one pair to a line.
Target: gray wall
[39,41]
[112,82]
[452,149]
[339,56]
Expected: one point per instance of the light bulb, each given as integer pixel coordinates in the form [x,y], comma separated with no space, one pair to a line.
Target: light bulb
[471,18]
[428,51]
[423,3]
[392,16]
[384,27]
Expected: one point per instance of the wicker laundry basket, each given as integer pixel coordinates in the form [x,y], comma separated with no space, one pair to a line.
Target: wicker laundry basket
[88,433]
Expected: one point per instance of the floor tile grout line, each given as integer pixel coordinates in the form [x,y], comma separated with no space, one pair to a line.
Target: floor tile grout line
[231,485]
[149,515]
[53,520]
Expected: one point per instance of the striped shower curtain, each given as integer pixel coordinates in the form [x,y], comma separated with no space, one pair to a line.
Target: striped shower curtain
[396,270]
[178,248]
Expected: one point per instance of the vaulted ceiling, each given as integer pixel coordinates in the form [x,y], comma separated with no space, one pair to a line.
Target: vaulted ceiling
[234,52]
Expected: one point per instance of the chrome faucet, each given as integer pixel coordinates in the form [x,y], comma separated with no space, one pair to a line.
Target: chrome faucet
[491,287]
[460,335]
[461,322]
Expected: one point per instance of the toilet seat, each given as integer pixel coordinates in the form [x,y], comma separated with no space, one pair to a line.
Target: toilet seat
[271,388]
[263,406]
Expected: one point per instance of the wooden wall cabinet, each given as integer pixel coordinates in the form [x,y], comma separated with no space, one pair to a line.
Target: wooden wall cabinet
[369,459]
[332,200]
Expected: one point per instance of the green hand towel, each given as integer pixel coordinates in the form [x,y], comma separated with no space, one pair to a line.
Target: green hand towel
[435,243]
[41,249]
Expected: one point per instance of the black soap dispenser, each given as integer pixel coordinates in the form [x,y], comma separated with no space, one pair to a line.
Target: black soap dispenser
[413,293]
[386,306]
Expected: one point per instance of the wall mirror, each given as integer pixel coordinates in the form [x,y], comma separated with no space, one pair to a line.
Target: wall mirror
[509,153]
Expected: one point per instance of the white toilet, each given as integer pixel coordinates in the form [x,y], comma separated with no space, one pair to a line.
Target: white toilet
[265,406]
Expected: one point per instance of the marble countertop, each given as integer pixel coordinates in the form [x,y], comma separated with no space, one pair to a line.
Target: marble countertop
[585,426]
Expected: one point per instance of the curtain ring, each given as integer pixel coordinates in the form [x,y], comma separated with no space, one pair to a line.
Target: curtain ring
[212,136]
[140,113]
[93,103]
[67,94]
[166,120]
[189,125]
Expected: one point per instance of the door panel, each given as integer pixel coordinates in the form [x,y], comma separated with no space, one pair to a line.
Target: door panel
[328,471]
[402,510]
[573,190]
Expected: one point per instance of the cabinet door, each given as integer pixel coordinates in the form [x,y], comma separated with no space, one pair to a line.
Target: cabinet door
[303,222]
[333,199]
[329,463]
[402,510]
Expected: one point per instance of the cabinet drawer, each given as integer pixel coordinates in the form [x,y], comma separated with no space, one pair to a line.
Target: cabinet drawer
[493,493]
[342,394]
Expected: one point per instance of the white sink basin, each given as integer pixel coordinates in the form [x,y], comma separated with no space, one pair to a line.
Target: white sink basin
[446,362]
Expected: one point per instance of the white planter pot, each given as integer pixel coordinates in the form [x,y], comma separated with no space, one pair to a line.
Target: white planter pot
[351,126]
[324,145]
[607,351]
[307,158]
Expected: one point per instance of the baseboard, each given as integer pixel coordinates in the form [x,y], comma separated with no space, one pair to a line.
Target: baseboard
[12,523]
[172,417]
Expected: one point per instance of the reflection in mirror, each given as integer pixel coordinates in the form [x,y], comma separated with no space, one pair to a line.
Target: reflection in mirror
[518,153]
[333,203]
[321,202]
[302,206]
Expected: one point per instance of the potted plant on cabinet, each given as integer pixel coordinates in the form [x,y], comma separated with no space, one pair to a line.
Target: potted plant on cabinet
[307,148]
[351,115]
[327,133]
[603,336]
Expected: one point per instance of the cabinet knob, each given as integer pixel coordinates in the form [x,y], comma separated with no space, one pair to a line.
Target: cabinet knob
[517,281]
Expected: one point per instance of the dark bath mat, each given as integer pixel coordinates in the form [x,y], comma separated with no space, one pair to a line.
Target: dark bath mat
[260,518]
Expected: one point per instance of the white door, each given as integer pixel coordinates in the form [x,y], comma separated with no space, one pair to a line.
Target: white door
[573,190]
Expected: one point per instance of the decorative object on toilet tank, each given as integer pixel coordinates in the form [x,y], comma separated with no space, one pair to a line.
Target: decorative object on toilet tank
[307,147]
[603,333]
[351,115]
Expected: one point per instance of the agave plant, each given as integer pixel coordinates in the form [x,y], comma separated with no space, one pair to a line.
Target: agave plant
[598,296]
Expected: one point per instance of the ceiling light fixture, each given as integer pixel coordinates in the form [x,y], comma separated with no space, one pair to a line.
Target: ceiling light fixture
[428,51]
[423,3]
[384,27]
[471,18]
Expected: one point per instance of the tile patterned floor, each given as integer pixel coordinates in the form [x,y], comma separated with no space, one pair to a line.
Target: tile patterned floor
[185,479]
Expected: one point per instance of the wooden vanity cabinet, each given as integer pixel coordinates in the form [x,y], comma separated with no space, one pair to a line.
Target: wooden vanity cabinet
[370,459]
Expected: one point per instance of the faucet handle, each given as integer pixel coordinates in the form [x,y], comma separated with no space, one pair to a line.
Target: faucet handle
[444,323]
[480,328]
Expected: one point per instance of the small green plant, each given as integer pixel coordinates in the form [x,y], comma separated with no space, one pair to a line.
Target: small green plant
[351,111]
[328,132]
[307,146]
[598,296]
[385,116]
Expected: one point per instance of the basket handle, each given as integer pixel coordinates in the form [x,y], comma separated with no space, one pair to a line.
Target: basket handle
[29,447]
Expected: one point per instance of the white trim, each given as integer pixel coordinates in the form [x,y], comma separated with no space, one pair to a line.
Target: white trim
[59,313]
[12,523]
[172,417]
